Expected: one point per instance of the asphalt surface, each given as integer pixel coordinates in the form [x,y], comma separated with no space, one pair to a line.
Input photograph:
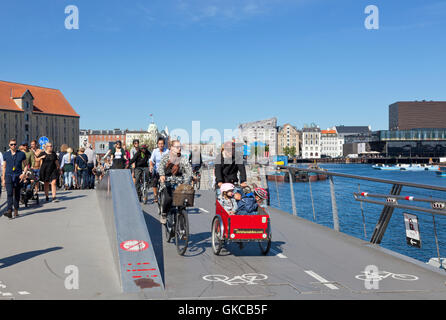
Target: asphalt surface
[306,261]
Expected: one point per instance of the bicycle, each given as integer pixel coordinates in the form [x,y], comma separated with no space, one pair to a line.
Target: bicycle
[177,224]
[144,187]
[197,179]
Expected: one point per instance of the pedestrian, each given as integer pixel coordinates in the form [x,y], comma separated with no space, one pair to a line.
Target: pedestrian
[49,171]
[35,161]
[1,169]
[118,156]
[12,176]
[81,163]
[91,155]
[60,155]
[67,167]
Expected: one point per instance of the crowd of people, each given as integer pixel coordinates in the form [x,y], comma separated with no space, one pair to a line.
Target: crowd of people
[30,168]
[26,169]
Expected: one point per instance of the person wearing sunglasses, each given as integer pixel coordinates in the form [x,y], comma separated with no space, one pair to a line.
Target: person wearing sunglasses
[13,173]
[175,170]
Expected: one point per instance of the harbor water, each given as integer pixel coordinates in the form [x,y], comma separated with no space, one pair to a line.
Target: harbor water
[360,222]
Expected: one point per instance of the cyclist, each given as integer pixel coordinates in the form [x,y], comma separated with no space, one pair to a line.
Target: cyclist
[195,163]
[227,167]
[174,170]
[133,151]
[154,162]
[141,161]
[118,156]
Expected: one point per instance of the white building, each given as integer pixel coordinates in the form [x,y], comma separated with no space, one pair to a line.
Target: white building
[263,131]
[311,142]
[331,144]
[148,137]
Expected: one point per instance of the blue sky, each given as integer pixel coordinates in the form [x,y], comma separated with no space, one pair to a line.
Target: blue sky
[228,61]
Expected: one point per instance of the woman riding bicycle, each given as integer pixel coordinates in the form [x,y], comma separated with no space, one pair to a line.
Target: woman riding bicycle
[141,160]
[229,165]
[173,170]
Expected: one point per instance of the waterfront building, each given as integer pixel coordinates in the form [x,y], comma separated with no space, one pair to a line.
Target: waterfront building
[354,134]
[311,142]
[331,144]
[102,140]
[288,136]
[260,132]
[407,115]
[28,112]
[425,142]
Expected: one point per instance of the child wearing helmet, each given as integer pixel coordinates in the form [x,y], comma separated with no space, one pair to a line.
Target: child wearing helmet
[261,195]
[226,198]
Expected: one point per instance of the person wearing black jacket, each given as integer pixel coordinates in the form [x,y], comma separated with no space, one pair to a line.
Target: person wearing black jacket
[141,160]
[228,166]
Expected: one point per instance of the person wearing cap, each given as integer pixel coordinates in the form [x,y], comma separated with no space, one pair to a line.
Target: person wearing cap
[228,166]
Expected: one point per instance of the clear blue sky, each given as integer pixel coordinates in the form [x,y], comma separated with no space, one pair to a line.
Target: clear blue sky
[228,61]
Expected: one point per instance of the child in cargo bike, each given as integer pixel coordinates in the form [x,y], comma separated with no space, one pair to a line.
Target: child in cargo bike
[243,204]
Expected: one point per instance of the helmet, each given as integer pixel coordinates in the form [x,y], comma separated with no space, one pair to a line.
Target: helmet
[262,193]
[226,187]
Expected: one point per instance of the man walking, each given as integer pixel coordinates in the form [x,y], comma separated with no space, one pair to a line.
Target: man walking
[81,163]
[91,155]
[12,176]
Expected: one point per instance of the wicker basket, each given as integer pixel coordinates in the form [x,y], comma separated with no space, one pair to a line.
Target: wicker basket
[183,193]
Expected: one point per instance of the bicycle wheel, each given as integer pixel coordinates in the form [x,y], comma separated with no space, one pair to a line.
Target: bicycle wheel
[217,242]
[265,246]
[198,183]
[181,232]
[169,228]
[407,277]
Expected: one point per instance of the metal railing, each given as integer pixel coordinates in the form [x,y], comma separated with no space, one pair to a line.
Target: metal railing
[389,202]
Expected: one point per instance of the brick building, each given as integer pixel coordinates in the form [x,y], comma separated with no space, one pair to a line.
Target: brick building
[407,115]
[29,112]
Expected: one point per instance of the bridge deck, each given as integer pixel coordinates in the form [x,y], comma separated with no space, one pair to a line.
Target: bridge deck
[307,261]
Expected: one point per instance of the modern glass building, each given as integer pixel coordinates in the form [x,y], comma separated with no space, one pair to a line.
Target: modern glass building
[424,142]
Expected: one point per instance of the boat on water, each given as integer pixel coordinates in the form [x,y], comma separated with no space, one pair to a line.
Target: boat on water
[405,167]
[313,176]
[441,171]
[399,166]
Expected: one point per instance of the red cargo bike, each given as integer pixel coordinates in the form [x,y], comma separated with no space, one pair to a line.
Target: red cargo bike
[240,228]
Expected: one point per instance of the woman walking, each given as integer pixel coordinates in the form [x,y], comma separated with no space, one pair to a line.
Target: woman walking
[67,167]
[49,171]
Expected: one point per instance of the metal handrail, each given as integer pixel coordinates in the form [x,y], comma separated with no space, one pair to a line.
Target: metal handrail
[351,176]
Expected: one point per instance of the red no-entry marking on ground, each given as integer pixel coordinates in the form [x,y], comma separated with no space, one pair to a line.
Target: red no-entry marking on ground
[134,245]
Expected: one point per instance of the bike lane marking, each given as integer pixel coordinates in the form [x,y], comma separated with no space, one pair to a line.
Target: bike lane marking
[203,210]
[278,254]
[321,280]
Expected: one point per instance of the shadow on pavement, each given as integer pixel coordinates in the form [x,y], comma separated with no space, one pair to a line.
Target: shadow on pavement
[156,236]
[198,243]
[40,211]
[12,260]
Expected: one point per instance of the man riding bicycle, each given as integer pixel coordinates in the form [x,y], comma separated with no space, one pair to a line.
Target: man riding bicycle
[196,162]
[155,160]
[173,170]
[141,161]
[228,166]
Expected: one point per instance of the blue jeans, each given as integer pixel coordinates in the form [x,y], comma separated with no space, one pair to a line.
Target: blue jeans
[91,176]
[83,175]
[13,186]
[68,179]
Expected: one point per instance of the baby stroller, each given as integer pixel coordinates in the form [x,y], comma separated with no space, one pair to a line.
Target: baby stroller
[28,191]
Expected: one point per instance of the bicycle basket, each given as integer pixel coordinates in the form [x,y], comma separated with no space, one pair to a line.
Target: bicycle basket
[182,193]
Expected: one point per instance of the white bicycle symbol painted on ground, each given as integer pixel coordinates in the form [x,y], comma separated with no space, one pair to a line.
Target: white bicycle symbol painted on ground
[248,278]
[381,275]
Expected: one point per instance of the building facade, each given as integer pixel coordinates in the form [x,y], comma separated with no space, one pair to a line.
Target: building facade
[331,144]
[263,131]
[407,115]
[354,134]
[29,112]
[311,142]
[288,136]
[101,140]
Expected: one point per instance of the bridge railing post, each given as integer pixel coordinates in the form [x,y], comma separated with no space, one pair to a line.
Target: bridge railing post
[334,206]
[293,200]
